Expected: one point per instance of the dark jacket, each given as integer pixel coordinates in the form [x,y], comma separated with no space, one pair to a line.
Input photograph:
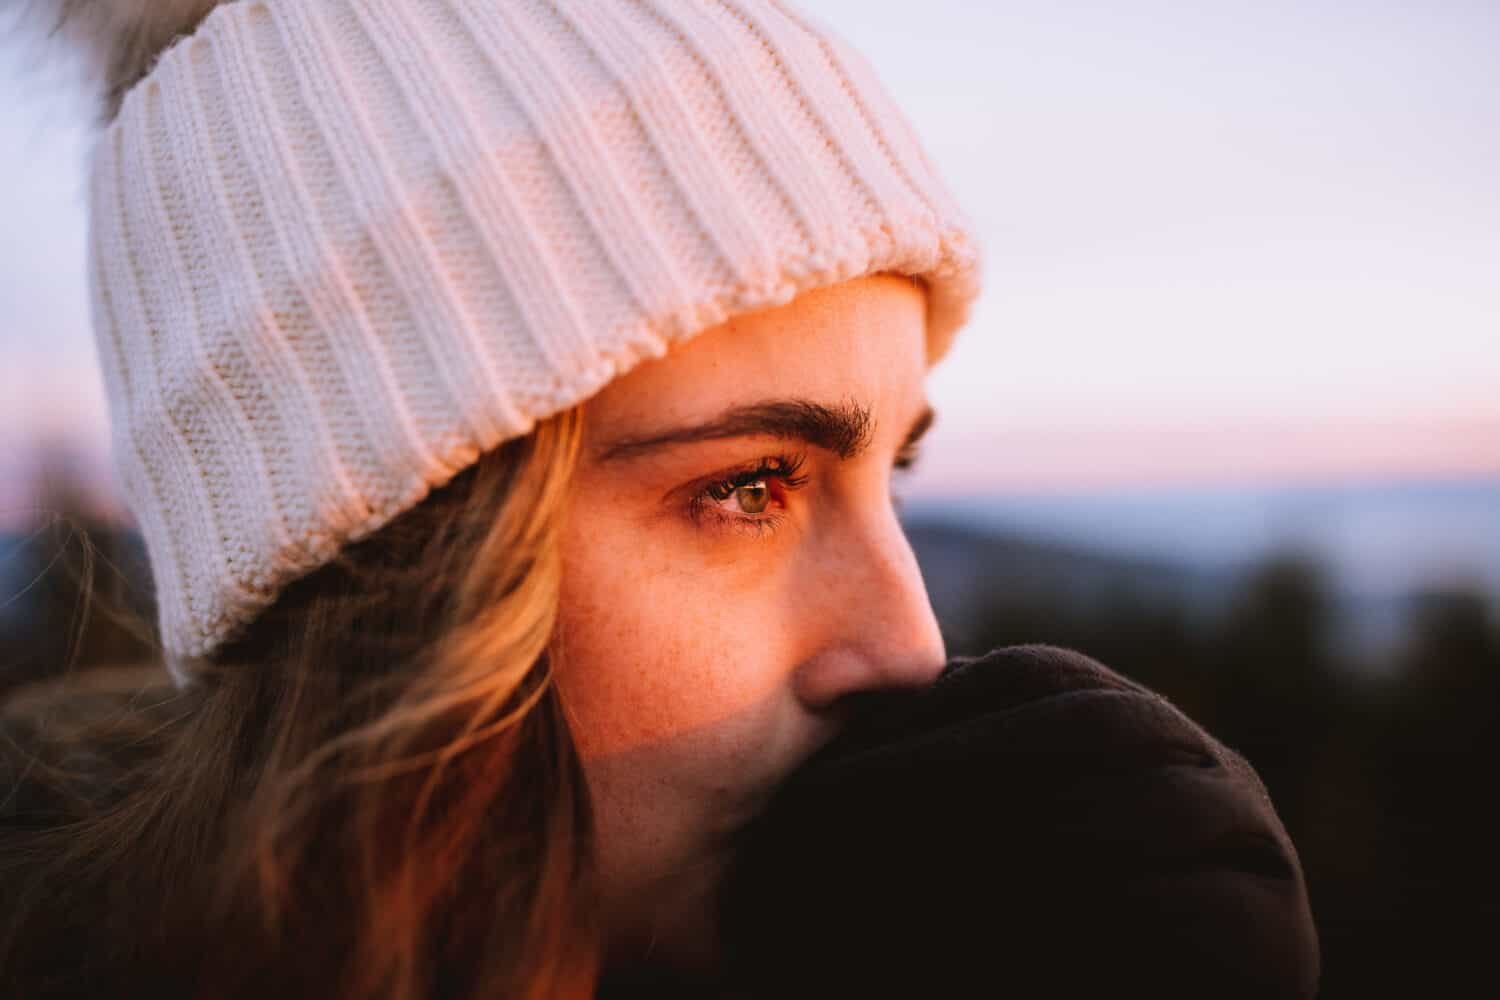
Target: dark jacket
[1033,825]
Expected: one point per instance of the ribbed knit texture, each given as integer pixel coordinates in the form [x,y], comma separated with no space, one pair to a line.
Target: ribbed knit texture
[340,248]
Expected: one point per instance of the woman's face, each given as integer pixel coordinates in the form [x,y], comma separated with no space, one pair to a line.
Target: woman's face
[732,570]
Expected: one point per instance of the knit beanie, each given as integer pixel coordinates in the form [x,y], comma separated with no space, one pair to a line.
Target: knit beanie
[338,249]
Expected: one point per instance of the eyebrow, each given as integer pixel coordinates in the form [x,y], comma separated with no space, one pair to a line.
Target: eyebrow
[845,428]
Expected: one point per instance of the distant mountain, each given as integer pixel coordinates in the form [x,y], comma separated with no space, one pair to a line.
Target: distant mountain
[1380,539]
[963,565]
[1382,545]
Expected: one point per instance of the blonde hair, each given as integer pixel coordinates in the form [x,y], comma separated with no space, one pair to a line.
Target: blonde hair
[373,793]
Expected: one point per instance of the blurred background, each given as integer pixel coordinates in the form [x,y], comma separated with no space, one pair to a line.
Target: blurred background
[1227,419]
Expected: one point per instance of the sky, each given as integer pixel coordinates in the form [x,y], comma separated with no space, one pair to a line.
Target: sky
[1225,242]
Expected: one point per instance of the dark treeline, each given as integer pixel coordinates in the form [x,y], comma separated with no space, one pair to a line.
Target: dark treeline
[75,591]
[1384,776]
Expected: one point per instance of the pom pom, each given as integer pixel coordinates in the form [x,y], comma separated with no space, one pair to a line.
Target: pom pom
[120,40]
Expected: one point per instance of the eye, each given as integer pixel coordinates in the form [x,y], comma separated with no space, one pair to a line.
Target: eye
[906,458]
[746,498]
[751,497]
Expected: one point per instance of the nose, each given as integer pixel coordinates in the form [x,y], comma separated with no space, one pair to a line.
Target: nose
[877,623]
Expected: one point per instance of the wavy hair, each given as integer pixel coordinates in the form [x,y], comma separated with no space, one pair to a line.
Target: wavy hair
[371,794]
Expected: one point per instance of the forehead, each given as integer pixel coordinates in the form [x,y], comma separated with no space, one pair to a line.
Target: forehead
[863,340]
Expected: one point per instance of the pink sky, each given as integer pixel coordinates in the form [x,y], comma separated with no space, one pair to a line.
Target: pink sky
[1225,243]
[1038,459]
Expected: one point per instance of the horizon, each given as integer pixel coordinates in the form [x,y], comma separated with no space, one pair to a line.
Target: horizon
[941,478]
[1380,547]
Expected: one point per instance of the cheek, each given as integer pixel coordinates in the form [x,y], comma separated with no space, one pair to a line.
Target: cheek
[653,644]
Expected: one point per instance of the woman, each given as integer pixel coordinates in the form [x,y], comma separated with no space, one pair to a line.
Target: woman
[508,393]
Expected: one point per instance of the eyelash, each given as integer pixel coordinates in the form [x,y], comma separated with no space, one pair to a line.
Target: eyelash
[782,468]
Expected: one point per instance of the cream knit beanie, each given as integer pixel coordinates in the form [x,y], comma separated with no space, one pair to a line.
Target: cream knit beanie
[340,248]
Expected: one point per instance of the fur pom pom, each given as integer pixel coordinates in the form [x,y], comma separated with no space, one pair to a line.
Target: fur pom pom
[120,40]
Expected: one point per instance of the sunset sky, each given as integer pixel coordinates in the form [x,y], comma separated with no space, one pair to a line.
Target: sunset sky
[1226,242]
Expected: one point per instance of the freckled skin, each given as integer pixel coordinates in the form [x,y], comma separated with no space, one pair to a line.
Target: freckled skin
[697,662]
